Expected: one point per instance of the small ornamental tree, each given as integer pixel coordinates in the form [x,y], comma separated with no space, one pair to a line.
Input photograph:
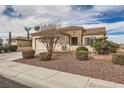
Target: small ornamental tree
[49,36]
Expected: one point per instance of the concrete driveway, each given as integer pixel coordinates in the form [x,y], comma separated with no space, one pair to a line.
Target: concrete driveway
[38,77]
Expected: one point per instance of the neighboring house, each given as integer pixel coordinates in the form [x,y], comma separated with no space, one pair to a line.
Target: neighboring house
[72,37]
[1,41]
[21,41]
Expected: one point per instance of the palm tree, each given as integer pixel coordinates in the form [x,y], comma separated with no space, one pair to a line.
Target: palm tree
[27,29]
[37,28]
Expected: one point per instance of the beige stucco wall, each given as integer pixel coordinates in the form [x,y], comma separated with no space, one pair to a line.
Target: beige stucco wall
[14,42]
[37,44]
[73,48]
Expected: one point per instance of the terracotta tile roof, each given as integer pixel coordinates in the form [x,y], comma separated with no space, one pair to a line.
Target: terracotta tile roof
[72,28]
[21,38]
[62,30]
[95,31]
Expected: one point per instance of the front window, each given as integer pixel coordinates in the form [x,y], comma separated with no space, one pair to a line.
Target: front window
[89,40]
[73,40]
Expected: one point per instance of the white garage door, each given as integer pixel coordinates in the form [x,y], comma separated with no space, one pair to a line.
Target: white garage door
[40,45]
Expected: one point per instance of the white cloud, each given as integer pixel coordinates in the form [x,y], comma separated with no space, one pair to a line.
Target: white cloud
[117,39]
[109,26]
[33,15]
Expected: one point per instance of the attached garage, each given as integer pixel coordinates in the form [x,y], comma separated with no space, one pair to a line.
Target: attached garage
[39,45]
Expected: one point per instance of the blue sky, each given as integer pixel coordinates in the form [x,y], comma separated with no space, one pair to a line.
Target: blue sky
[14,18]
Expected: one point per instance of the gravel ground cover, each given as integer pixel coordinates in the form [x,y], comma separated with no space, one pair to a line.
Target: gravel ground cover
[95,68]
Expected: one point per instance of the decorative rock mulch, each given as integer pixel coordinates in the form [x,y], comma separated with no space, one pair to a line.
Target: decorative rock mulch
[107,58]
[95,68]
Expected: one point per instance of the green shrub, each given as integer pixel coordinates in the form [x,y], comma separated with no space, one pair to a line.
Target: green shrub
[13,48]
[27,54]
[43,56]
[1,49]
[6,48]
[81,48]
[82,55]
[118,58]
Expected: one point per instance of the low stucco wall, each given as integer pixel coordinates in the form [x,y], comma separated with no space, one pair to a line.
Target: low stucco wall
[73,48]
[22,43]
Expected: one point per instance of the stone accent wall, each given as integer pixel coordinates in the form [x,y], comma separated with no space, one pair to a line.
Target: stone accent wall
[77,34]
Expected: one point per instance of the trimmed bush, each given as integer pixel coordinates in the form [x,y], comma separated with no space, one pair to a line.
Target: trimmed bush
[118,58]
[81,48]
[1,49]
[13,48]
[6,48]
[82,55]
[44,56]
[27,54]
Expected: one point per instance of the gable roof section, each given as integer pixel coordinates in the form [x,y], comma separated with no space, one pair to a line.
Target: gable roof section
[91,31]
[72,28]
[95,31]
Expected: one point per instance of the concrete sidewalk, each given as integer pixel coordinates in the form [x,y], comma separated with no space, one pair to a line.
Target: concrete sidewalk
[38,77]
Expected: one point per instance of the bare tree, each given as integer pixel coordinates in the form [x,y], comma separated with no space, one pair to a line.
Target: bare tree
[50,34]
[27,29]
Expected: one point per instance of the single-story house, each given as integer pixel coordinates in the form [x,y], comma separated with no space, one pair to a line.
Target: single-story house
[72,37]
[1,41]
[21,41]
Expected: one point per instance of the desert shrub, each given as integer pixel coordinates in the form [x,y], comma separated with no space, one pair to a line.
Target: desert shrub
[27,54]
[112,50]
[102,46]
[118,58]
[1,49]
[6,48]
[113,47]
[81,48]
[13,48]
[44,56]
[82,55]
